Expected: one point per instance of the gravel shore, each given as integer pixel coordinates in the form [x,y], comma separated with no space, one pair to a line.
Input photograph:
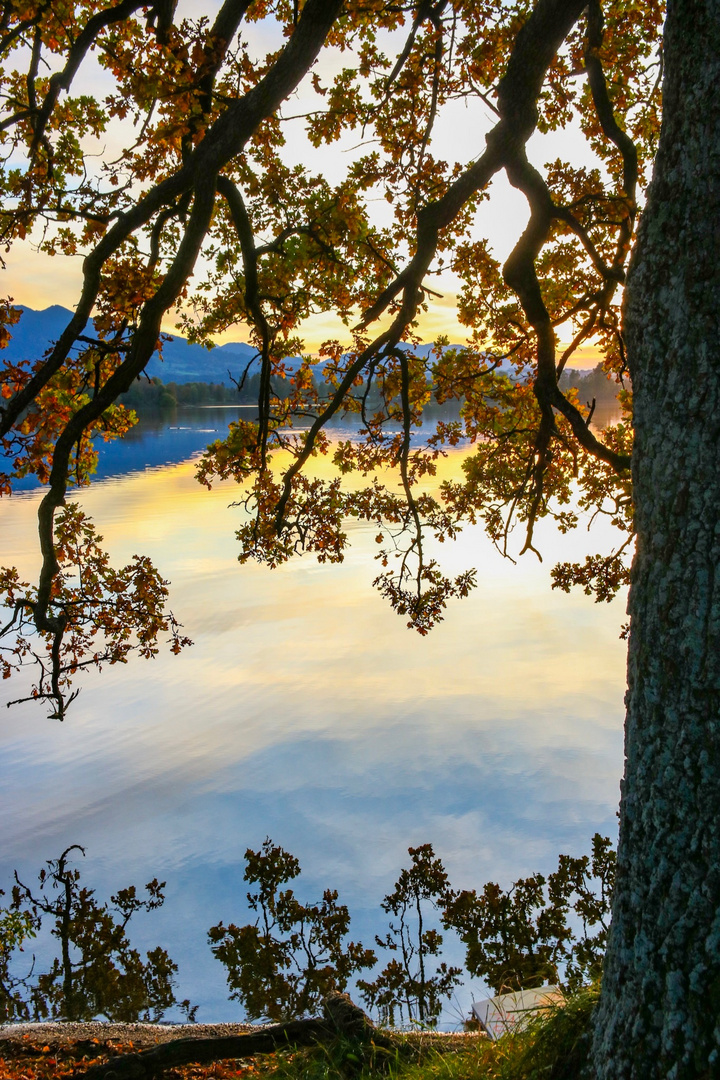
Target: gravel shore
[143,1036]
[140,1035]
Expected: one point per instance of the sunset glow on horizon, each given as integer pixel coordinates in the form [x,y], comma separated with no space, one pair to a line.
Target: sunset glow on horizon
[36,281]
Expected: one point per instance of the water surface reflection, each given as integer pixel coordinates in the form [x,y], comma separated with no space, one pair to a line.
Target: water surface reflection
[307,712]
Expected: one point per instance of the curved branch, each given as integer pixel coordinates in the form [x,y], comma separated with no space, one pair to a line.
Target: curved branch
[143,345]
[519,273]
[26,24]
[613,131]
[314,24]
[423,13]
[435,92]
[62,80]
[614,273]
[534,50]
[602,102]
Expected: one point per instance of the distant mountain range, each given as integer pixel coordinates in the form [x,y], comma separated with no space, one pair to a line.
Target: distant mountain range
[181,362]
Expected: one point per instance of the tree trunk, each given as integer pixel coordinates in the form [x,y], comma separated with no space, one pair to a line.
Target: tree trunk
[659,1013]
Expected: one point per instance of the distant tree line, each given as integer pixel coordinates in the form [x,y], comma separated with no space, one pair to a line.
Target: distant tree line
[148,395]
[153,395]
[595,385]
[282,964]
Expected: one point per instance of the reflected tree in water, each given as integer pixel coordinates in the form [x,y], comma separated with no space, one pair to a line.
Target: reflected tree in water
[282,966]
[96,971]
[413,985]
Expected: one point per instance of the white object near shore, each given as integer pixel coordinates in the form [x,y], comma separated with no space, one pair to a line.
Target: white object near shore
[512,1012]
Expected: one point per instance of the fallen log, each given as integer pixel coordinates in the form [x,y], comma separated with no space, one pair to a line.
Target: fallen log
[341,1017]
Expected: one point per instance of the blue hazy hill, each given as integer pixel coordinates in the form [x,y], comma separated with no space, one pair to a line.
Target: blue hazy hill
[181,363]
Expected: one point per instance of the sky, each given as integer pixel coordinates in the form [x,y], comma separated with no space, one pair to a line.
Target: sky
[38,280]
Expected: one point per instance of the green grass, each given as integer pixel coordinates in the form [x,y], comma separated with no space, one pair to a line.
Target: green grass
[554,1047]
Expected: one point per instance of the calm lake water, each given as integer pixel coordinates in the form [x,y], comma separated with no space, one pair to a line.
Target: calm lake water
[307,712]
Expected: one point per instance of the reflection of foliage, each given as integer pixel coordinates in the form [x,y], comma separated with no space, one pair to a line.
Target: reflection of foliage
[153,396]
[282,966]
[93,614]
[524,937]
[97,972]
[16,928]
[589,881]
[407,987]
[201,181]
[514,939]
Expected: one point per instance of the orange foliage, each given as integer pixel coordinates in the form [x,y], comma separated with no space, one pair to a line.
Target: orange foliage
[202,212]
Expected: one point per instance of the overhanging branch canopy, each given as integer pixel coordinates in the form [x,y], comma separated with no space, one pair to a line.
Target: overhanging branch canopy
[201,212]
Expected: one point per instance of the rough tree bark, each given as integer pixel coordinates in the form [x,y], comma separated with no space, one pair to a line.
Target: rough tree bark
[659,1015]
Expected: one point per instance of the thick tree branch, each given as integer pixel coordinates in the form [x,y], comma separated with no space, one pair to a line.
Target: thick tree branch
[519,272]
[534,50]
